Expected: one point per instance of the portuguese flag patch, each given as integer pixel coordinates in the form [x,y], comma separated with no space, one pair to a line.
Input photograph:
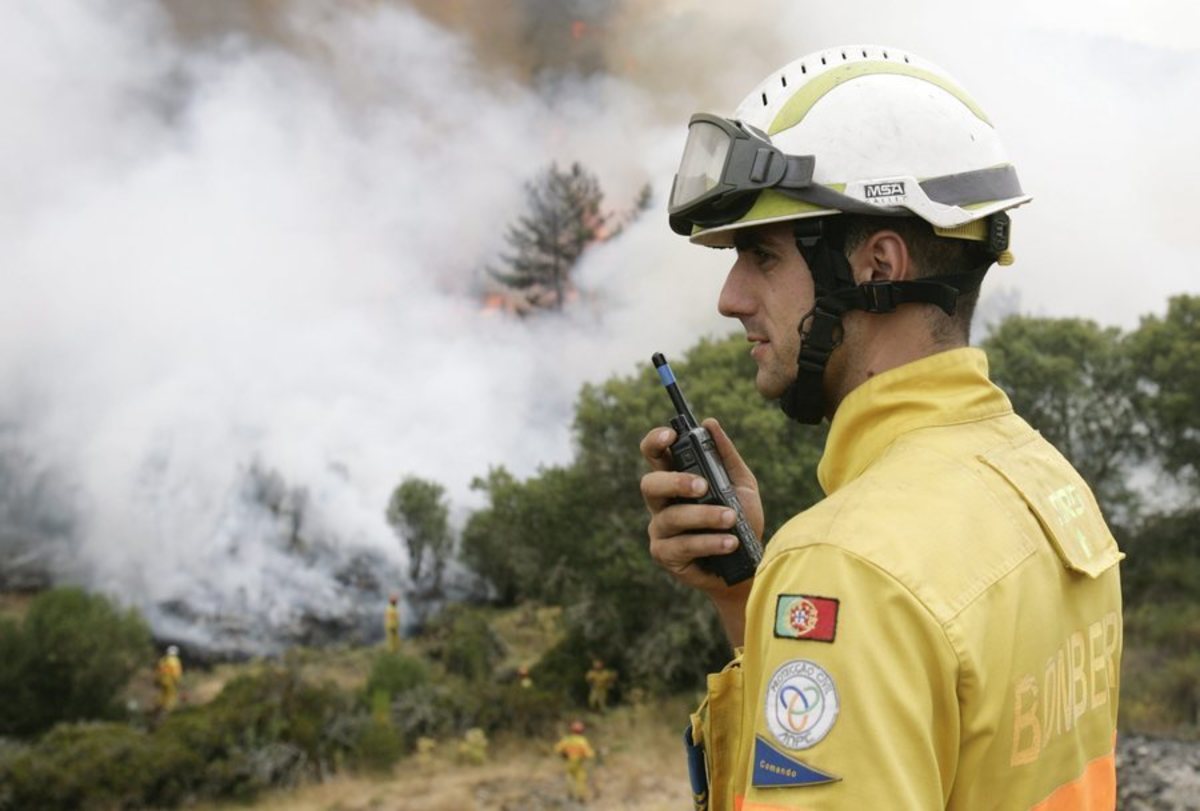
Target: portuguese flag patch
[803,616]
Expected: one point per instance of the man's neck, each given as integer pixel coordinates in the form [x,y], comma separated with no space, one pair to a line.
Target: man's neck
[875,344]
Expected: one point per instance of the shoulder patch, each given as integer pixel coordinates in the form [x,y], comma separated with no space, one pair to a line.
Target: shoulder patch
[801,704]
[802,616]
[774,769]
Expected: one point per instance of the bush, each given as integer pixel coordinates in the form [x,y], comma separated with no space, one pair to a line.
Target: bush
[69,660]
[264,730]
[395,673]
[465,644]
[378,747]
[453,705]
[273,706]
[530,712]
[563,669]
[95,766]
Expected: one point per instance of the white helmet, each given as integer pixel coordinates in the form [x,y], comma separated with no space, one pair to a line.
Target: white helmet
[172,650]
[859,129]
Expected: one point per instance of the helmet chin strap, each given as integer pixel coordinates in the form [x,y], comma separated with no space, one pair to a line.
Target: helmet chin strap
[821,243]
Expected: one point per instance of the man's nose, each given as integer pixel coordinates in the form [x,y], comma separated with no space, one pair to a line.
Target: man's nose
[735,300]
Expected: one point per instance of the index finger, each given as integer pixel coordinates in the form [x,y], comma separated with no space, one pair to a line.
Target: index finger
[735,466]
[656,447]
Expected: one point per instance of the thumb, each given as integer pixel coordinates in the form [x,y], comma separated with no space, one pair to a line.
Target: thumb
[739,472]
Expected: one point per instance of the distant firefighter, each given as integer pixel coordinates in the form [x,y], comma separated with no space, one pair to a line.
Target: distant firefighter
[600,680]
[473,748]
[168,675]
[391,624]
[523,677]
[575,751]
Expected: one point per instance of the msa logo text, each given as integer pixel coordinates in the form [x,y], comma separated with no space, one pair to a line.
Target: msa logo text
[875,190]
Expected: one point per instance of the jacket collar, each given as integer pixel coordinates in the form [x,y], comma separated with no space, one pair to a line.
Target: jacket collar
[943,389]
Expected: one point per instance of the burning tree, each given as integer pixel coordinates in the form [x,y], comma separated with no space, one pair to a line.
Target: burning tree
[563,218]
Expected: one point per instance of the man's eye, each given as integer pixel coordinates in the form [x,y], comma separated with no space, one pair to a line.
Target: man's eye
[763,257]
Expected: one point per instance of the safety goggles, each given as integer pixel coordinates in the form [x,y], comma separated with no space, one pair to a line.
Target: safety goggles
[725,165]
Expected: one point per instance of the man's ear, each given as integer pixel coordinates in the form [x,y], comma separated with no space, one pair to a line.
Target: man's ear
[883,257]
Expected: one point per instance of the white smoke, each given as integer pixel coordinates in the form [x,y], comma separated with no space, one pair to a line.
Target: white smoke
[239,264]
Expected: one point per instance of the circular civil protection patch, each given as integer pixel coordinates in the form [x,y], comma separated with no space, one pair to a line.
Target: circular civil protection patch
[802,704]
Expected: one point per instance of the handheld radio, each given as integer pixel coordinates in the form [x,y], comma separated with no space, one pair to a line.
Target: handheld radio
[695,452]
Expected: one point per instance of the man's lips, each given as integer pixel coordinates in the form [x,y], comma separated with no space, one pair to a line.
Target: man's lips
[759,347]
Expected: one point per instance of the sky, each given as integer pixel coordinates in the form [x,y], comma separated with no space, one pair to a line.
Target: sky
[242,249]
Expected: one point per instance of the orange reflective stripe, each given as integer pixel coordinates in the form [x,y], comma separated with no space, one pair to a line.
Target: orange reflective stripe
[1096,788]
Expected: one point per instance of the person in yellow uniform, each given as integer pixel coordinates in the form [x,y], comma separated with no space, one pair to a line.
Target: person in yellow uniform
[168,675]
[943,629]
[576,751]
[391,624]
[600,680]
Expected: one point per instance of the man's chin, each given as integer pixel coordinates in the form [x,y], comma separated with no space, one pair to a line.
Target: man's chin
[770,387]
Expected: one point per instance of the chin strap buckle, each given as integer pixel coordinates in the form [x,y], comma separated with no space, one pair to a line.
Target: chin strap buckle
[879,297]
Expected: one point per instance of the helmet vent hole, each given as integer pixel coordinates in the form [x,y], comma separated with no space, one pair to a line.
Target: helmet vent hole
[843,56]
[783,80]
[803,69]
[822,60]
[764,98]
[885,56]
[864,53]
[906,58]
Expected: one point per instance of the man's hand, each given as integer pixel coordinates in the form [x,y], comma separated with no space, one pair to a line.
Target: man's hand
[681,533]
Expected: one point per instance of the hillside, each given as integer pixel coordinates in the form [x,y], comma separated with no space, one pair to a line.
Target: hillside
[639,766]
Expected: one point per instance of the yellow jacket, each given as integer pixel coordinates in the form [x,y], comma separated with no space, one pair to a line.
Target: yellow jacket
[169,671]
[574,748]
[942,631]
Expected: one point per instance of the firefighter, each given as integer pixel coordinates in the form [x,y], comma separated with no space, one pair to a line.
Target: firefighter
[168,675]
[391,624]
[600,680]
[943,630]
[575,752]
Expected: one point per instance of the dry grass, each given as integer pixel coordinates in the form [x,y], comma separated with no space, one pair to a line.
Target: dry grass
[640,766]
[528,632]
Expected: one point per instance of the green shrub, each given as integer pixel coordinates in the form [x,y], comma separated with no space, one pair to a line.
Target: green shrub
[269,707]
[69,660]
[529,712]
[395,673]
[453,705]
[378,747]
[465,644]
[563,669]
[95,766]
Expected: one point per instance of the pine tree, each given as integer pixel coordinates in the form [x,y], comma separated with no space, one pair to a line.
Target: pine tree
[563,218]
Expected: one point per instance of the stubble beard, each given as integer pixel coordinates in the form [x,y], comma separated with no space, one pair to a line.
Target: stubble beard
[776,373]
